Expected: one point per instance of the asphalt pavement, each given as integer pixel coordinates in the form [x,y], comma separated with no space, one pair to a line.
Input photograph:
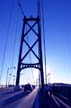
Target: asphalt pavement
[20,99]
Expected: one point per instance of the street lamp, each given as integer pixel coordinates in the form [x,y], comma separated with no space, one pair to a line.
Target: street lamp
[12,73]
[13,79]
[9,75]
[9,79]
[22,75]
[48,76]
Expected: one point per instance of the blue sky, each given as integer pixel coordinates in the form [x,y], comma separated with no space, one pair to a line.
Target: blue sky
[57,22]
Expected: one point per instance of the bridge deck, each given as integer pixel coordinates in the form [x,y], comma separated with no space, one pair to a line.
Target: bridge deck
[11,99]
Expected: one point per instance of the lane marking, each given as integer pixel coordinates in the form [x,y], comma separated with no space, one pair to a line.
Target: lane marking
[66,98]
[28,101]
[67,106]
[53,97]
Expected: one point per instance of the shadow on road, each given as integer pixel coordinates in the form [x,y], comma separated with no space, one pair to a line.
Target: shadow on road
[8,92]
[15,98]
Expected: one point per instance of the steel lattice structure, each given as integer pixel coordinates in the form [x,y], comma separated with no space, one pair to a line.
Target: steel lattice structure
[31,23]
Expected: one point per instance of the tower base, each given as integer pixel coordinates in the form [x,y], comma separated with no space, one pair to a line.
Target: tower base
[17,88]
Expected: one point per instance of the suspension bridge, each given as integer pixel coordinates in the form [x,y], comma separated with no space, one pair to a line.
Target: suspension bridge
[18,90]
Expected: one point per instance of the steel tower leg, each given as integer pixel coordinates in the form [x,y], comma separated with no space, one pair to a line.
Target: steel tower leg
[39,64]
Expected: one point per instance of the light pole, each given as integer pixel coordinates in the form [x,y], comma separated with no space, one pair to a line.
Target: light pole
[9,79]
[48,76]
[8,82]
[22,75]
[13,79]
[7,76]
[12,73]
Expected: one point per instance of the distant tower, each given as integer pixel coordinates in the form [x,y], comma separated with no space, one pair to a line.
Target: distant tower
[30,23]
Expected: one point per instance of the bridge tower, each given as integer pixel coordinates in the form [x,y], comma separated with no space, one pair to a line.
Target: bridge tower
[31,23]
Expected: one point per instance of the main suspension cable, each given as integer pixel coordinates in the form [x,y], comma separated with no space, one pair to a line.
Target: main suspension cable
[20,6]
[6,41]
[38,8]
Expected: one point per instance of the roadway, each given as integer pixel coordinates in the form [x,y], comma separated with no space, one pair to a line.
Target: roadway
[11,99]
[57,101]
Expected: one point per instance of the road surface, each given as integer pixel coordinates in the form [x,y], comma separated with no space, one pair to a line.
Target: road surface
[57,101]
[11,99]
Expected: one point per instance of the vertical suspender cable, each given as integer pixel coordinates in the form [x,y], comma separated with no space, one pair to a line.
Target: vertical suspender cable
[39,14]
[42,10]
[14,44]
[6,41]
